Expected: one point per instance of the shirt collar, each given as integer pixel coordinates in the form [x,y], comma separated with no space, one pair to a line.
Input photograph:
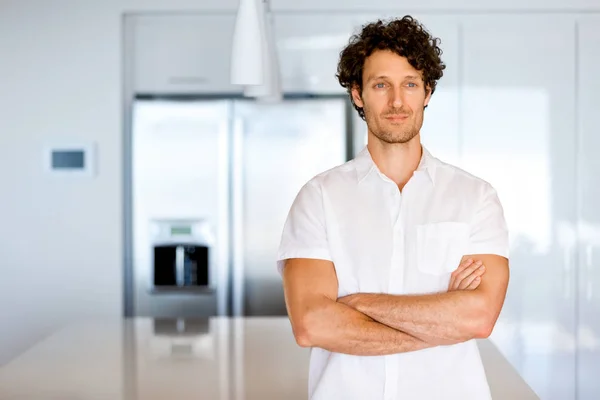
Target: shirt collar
[365,165]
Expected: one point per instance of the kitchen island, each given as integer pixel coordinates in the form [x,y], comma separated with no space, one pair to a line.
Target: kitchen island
[163,359]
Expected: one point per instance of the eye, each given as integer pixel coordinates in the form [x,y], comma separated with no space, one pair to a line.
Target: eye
[412,85]
[380,85]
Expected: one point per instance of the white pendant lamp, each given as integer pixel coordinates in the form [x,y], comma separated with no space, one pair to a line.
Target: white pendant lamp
[254,59]
[270,90]
[247,63]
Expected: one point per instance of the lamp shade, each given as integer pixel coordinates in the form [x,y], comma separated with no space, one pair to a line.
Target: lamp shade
[270,89]
[247,61]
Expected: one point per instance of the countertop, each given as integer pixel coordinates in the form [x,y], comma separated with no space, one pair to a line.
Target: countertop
[217,358]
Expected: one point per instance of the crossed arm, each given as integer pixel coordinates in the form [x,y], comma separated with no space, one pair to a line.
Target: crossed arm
[378,324]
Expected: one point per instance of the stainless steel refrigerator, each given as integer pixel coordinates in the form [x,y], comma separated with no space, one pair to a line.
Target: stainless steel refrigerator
[211,185]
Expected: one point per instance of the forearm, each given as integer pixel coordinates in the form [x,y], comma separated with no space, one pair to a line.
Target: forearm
[442,318]
[338,328]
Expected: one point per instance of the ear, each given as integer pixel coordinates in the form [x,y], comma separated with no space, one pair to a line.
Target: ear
[427,96]
[356,96]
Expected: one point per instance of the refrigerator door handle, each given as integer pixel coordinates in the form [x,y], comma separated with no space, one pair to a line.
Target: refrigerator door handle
[238,216]
[179,266]
[222,269]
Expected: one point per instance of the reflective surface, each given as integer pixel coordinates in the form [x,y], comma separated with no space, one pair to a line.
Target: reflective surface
[518,133]
[588,292]
[282,147]
[234,167]
[179,173]
[213,359]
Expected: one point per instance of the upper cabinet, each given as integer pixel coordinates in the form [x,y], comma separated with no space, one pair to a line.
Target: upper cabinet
[178,54]
[309,48]
[435,6]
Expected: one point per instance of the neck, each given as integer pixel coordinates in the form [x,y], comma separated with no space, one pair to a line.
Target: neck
[397,161]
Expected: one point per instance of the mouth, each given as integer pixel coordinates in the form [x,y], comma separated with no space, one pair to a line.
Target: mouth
[396,118]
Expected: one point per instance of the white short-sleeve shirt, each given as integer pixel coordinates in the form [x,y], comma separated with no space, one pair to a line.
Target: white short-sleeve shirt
[384,241]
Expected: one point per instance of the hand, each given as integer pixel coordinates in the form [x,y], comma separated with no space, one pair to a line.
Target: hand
[467,276]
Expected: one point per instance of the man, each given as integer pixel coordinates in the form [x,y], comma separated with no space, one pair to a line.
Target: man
[383,257]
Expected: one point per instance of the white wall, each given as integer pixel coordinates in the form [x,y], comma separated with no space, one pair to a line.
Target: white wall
[60,77]
[61,239]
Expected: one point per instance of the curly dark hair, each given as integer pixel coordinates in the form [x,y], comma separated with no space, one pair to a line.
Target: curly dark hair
[405,37]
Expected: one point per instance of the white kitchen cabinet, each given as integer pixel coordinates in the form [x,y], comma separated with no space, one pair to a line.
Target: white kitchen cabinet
[437,6]
[588,87]
[309,46]
[191,53]
[517,114]
[182,53]
[179,54]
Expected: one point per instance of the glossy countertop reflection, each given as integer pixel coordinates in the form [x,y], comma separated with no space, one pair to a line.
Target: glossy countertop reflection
[216,358]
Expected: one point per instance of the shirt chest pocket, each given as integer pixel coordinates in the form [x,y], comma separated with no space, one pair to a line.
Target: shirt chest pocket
[440,247]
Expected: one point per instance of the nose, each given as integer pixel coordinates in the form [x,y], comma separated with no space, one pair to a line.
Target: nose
[397,100]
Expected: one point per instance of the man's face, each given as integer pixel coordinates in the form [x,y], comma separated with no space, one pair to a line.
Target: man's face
[393,97]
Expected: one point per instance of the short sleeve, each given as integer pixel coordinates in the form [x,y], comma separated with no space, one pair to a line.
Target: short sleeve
[304,232]
[489,232]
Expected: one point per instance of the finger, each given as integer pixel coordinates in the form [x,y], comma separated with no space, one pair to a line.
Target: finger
[464,264]
[468,271]
[469,279]
[461,274]
[475,284]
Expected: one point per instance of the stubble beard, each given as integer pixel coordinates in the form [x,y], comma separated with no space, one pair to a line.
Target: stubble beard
[393,132]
